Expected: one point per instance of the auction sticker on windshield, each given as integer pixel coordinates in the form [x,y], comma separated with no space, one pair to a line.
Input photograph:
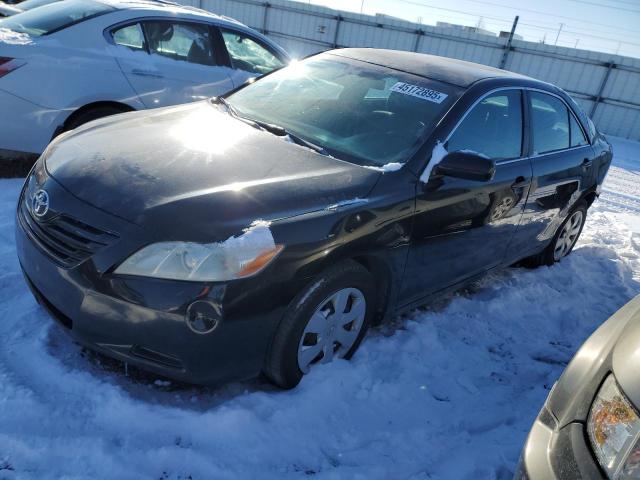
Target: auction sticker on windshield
[419,92]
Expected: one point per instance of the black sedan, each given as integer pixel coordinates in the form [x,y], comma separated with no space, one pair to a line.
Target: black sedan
[267,230]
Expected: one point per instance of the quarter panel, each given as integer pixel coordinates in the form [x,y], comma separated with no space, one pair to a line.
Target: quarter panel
[71,68]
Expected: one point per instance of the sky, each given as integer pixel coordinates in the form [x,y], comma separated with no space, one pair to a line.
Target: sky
[611,26]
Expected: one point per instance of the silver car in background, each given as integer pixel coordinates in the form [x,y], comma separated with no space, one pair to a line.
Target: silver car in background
[589,427]
[73,61]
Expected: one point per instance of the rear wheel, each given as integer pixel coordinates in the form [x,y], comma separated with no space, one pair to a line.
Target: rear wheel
[90,114]
[327,320]
[565,238]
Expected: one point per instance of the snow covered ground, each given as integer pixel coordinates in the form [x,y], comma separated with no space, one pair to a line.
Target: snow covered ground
[447,392]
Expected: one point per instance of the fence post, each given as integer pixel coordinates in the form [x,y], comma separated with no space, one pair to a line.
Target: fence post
[605,79]
[337,31]
[507,47]
[419,35]
[265,18]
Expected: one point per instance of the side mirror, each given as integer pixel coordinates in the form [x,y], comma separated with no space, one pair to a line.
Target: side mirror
[466,165]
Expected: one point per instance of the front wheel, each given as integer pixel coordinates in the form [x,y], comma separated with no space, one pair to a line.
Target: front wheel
[327,320]
[565,238]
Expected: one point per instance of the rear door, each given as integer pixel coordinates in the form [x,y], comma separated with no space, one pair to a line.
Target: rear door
[562,163]
[249,57]
[169,62]
[464,227]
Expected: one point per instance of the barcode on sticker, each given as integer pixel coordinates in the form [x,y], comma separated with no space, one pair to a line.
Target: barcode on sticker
[419,92]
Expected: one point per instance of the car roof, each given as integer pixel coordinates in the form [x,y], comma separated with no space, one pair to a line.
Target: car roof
[448,70]
[165,5]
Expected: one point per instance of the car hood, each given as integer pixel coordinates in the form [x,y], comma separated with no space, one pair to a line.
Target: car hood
[195,162]
[626,359]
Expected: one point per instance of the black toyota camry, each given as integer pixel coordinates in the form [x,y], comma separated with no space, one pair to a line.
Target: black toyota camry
[267,230]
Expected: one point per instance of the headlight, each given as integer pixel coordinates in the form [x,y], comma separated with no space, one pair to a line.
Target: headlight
[614,432]
[236,257]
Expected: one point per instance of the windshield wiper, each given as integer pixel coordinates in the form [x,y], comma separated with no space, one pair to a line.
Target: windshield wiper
[283,132]
[230,108]
[271,128]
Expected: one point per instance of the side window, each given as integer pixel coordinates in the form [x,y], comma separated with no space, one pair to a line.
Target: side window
[186,42]
[492,128]
[130,36]
[249,55]
[577,136]
[549,123]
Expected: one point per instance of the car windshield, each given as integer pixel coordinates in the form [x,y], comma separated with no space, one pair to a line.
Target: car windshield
[356,111]
[55,16]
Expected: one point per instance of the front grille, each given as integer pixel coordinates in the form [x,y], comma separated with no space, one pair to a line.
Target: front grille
[65,239]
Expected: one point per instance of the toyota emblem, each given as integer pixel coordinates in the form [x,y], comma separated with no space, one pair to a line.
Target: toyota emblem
[40,203]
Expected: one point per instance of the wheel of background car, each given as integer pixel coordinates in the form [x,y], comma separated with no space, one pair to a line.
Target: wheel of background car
[89,115]
[565,238]
[326,320]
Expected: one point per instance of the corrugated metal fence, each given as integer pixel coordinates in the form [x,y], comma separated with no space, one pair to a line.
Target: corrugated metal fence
[606,86]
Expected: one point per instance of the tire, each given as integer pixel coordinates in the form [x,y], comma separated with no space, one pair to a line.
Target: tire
[549,255]
[90,114]
[295,341]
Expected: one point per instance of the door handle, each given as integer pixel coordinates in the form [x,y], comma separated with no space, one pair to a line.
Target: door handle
[146,73]
[586,163]
[521,182]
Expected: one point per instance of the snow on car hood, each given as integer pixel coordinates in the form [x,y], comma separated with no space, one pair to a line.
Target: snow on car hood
[141,164]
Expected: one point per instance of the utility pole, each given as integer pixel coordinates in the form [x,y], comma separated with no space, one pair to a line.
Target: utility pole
[362,7]
[576,45]
[558,35]
[507,47]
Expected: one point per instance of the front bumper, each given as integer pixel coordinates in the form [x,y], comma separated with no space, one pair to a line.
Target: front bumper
[558,446]
[556,453]
[141,321]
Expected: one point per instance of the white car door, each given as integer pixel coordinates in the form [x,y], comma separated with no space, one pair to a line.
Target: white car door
[169,62]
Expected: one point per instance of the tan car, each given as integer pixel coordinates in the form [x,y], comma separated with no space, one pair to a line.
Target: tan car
[589,427]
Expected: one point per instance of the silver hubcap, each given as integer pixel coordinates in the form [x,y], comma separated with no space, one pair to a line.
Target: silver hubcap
[333,328]
[568,235]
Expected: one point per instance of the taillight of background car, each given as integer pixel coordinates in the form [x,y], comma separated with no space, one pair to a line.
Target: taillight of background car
[8,65]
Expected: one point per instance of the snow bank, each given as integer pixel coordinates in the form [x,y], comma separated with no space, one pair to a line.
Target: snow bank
[14,38]
[446,392]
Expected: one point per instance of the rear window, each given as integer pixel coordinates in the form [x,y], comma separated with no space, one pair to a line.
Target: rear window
[56,16]
[29,4]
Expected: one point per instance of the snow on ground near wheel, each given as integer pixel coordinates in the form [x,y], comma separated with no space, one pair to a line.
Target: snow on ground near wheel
[445,392]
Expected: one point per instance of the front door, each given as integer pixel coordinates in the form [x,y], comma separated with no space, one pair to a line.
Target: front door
[170,62]
[464,227]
